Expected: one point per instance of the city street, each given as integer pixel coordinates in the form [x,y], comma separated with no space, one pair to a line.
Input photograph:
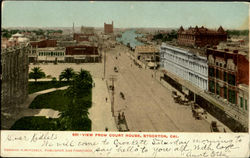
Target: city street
[148,106]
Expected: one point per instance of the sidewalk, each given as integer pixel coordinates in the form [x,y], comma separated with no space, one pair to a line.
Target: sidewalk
[100,112]
[209,118]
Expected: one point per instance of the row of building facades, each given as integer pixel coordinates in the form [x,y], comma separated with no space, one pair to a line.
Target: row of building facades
[220,73]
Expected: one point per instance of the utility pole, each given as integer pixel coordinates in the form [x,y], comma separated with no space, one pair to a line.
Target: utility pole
[104,58]
[155,63]
[112,78]
[104,71]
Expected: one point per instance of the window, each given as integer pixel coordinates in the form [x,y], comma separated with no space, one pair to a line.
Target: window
[217,63]
[211,86]
[245,104]
[220,65]
[225,76]
[211,72]
[217,89]
[231,96]
[241,102]
[217,73]
[225,92]
[231,79]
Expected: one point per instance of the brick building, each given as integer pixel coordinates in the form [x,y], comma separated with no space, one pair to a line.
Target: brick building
[108,28]
[44,43]
[79,37]
[200,37]
[82,53]
[228,77]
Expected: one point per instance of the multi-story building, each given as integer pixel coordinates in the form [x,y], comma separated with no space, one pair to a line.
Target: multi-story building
[87,30]
[36,46]
[65,43]
[44,43]
[79,37]
[108,28]
[186,64]
[50,54]
[200,37]
[229,79]
[148,54]
[82,53]
[14,77]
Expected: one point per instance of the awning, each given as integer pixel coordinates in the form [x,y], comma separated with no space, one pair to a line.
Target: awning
[151,64]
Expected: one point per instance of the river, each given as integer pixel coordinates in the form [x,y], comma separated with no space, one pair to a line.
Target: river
[129,36]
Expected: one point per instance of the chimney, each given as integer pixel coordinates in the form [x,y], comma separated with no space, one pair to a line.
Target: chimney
[235,51]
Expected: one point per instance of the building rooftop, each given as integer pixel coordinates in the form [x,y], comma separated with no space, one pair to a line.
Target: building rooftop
[17,35]
[196,51]
[146,49]
[201,30]
[51,48]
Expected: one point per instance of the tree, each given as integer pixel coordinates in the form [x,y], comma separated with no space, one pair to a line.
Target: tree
[75,116]
[36,73]
[67,74]
[84,75]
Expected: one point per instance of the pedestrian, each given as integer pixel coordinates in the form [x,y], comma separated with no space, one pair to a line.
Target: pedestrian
[119,116]
[94,84]
[106,129]
[106,99]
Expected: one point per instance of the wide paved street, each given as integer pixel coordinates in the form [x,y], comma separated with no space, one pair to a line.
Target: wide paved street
[148,106]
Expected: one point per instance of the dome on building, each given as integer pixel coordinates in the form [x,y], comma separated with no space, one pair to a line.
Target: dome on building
[17,35]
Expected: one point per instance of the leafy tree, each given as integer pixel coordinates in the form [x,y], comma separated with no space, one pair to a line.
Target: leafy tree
[158,36]
[75,117]
[84,75]
[36,73]
[59,31]
[67,74]
[81,84]
[6,34]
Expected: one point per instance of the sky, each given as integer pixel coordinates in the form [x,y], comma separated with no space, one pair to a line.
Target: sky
[230,15]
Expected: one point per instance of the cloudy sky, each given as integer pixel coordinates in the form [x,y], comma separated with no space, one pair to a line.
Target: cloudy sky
[125,14]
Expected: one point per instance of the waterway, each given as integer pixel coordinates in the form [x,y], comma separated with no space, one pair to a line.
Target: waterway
[129,36]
